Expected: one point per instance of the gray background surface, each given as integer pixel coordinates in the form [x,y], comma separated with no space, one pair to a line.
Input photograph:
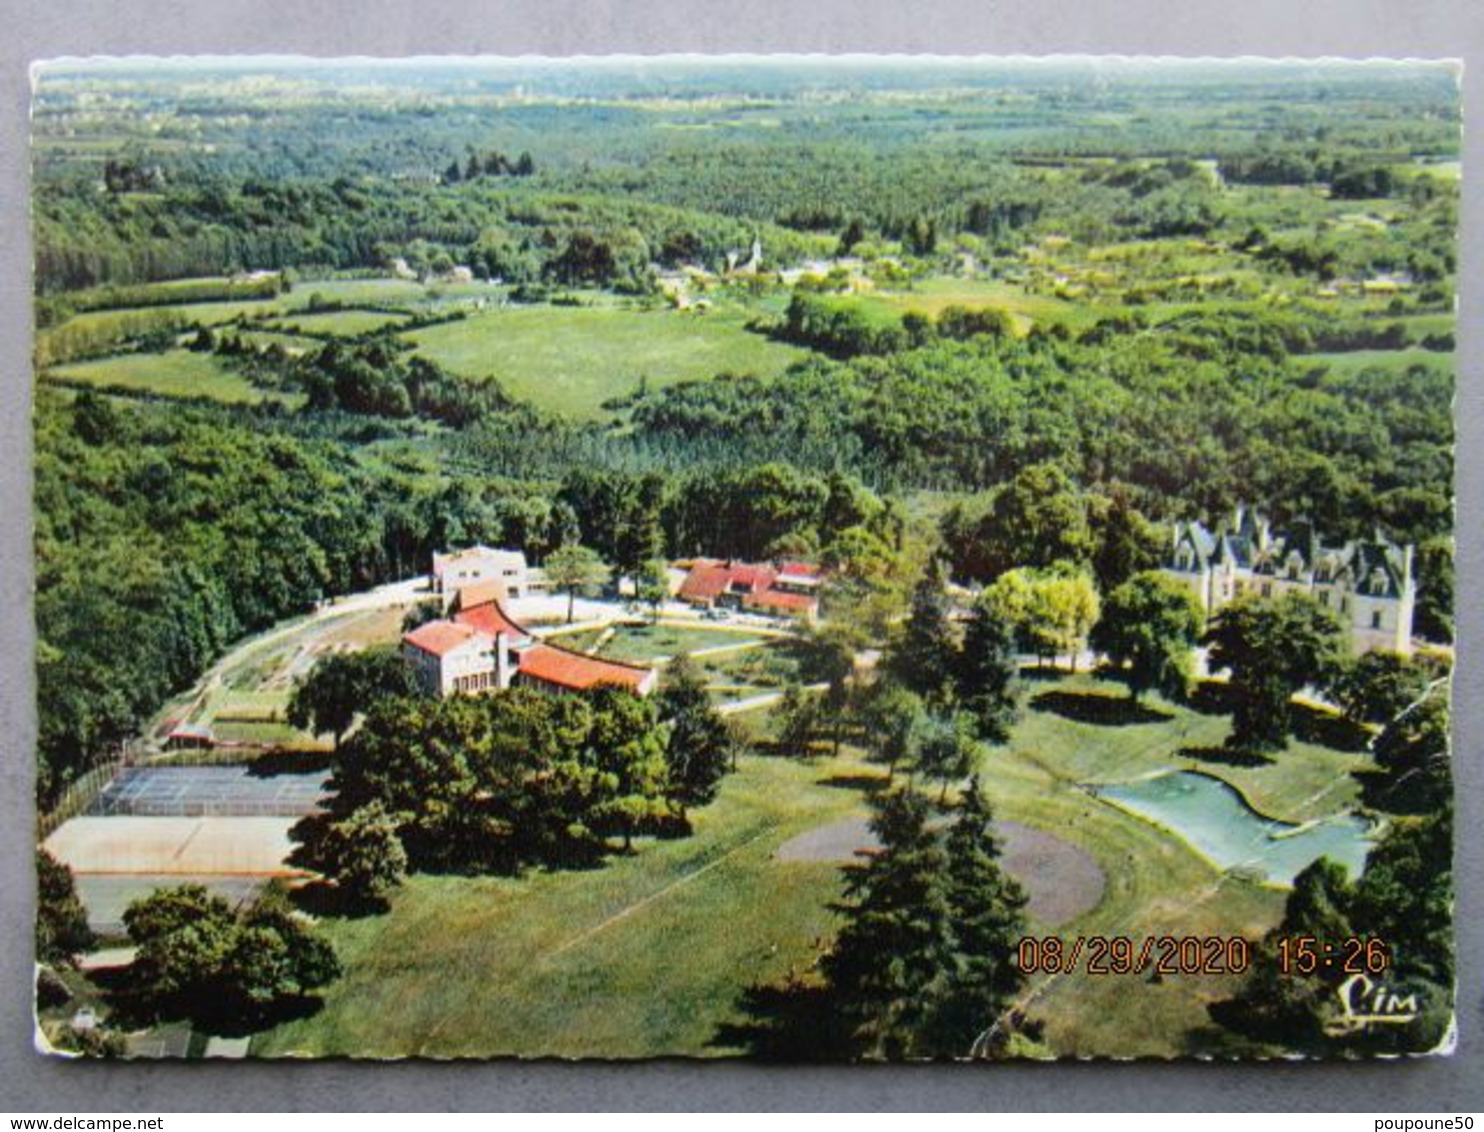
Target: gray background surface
[1307,28]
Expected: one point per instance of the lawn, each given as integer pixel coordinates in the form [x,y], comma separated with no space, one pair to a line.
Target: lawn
[932,296]
[573,359]
[341,324]
[384,292]
[647,955]
[175,373]
[642,644]
[643,957]
[1393,361]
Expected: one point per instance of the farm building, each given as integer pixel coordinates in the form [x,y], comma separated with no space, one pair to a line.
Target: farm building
[1369,583]
[788,590]
[481,648]
[460,568]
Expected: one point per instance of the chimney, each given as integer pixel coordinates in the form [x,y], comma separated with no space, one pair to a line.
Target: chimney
[502,662]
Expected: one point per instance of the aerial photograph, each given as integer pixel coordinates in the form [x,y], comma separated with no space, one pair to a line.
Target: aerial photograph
[797,558]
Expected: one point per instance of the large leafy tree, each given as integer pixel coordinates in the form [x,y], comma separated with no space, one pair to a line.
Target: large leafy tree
[1413,751]
[628,749]
[197,958]
[360,853]
[1127,542]
[575,569]
[894,719]
[949,749]
[62,931]
[1036,520]
[343,685]
[1272,649]
[1377,686]
[1149,628]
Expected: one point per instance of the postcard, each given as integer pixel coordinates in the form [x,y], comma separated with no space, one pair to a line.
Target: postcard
[792,558]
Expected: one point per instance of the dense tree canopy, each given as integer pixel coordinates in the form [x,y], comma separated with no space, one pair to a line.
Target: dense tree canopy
[1272,649]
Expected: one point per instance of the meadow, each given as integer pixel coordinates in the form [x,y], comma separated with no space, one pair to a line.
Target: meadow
[625,961]
[573,359]
[174,373]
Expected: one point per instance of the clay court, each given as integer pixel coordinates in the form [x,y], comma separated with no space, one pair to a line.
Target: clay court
[175,846]
[1062,879]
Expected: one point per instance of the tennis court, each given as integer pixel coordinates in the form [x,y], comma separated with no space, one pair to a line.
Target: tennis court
[174,846]
[209,791]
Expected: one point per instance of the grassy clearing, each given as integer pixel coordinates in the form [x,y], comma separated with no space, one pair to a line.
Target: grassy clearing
[572,359]
[643,643]
[385,292]
[291,343]
[631,960]
[1303,782]
[175,373]
[342,324]
[641,958]
[1393,361]
[933,296]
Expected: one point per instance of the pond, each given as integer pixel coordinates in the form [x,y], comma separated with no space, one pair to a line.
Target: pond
[1217,821]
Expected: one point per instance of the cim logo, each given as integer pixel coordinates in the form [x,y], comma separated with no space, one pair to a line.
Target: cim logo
[1365,1003]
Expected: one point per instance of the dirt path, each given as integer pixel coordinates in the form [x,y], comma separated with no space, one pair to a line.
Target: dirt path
[1063,880]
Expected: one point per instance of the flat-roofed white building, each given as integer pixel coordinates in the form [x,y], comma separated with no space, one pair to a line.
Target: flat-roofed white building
[475,564]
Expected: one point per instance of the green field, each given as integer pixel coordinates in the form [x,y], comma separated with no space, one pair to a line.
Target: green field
[383,292]
[623,961]
[176,373]
[627,961]
[342,324]
[644,643]
[1396,361]
[933,296]
[572,359]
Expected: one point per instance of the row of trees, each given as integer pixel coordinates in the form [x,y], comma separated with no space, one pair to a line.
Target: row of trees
[506,779]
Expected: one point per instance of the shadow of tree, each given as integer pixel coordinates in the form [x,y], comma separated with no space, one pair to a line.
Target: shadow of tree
[1094,707]
[323,900]
[131,1008]
[1213,697]
[1314,725]
[1043,674]
[1227,756]
[282,760]
[792,1021]
[866,783]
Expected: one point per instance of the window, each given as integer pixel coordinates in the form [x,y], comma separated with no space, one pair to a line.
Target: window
[1376,619]
[1267,589]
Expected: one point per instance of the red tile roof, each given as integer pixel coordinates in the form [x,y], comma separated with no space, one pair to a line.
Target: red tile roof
[798,570]
[565,669]
[490,618]
[439,637]
[709,580]
[780,599]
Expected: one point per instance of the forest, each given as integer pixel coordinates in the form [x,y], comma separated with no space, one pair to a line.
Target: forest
[191,524]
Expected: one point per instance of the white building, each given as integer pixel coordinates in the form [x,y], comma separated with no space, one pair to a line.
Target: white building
[1369,583]
[460,568]
[481,649]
